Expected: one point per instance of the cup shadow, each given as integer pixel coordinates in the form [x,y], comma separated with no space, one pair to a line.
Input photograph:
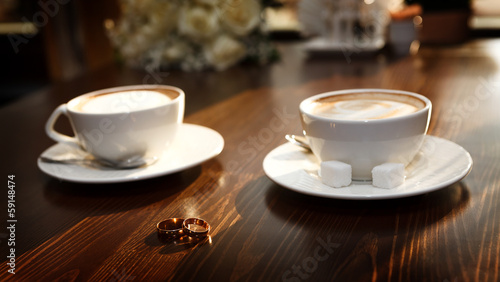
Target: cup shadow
[110,198]
[175,245]
[60,205]
[440,203]
[276,228]
[365,232]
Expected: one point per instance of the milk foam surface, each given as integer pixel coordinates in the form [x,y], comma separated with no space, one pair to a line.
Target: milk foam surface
[122,102]
[363,109]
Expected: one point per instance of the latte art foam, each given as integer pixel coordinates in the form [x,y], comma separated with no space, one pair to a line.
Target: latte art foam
[122,102]
[363,109]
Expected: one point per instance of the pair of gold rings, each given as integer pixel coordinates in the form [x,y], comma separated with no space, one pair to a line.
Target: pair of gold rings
[178,227]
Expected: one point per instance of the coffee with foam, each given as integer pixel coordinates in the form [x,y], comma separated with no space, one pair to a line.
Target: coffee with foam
[365,127]
[122,125]
[124,101]
[366,106]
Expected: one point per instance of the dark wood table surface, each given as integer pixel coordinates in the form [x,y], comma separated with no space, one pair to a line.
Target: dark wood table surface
[261,231]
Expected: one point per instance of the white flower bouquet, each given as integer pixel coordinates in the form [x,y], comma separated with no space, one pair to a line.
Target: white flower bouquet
[191,34]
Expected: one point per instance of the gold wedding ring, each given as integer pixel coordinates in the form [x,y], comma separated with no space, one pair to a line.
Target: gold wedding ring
[195,227]
[171,228]
[178,227]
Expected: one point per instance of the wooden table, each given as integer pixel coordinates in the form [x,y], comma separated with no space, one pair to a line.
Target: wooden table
[261,231]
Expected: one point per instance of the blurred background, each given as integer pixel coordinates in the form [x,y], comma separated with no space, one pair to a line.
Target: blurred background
[50,40]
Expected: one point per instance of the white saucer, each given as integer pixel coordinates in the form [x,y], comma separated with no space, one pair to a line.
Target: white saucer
[327,45]
[194,144]
[439,164]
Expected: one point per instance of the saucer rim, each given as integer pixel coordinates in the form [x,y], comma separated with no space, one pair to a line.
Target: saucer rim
[396,193]
[217,149]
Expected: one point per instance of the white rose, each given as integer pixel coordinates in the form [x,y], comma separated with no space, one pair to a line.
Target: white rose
[134,46]
[198,22]
[163,16]
[208,2]
[141,6]
[224,52]
[143,25]
[240,16]
[176,51]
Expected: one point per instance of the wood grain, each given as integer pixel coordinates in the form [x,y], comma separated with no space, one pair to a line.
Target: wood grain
[261,231]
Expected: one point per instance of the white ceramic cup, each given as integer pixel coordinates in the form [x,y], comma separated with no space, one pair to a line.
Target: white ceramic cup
[366,143]
[122,124]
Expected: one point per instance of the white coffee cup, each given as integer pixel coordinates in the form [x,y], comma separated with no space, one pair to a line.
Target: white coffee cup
[122,124]
[359,128]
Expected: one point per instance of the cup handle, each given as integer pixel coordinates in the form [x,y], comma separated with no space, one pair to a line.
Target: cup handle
[56,136]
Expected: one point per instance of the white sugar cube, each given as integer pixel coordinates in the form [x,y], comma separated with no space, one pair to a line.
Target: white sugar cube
[336,174]
[388,175]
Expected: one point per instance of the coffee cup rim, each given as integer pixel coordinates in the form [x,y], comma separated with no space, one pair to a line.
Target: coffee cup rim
[307,101]
[70,104]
